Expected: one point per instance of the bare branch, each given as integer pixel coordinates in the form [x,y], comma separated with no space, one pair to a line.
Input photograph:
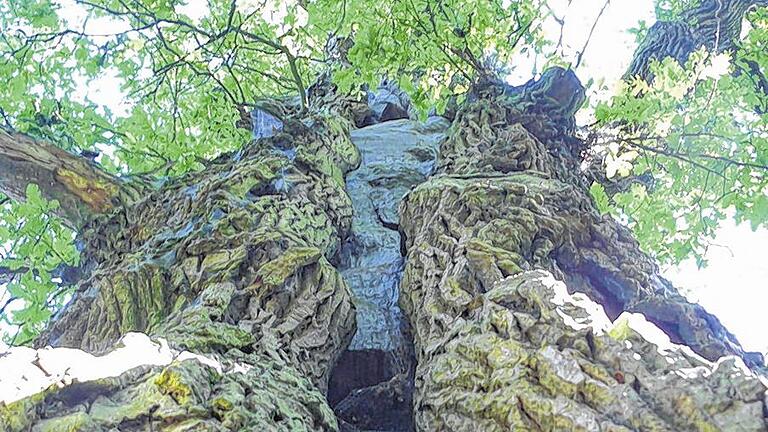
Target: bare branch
[589,37]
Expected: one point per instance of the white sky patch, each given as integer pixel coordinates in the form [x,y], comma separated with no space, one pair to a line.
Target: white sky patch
[196,10]
[36,370]
[655,335]
[718,65]
[608,53]
[733,285]
[75,14]
[577,310]
[105,91]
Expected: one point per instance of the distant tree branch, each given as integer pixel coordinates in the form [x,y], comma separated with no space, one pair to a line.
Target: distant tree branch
[68,274]
[6,304]
[696,160]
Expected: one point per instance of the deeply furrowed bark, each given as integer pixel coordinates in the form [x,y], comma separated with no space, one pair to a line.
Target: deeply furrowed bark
[500,204]
[237,262]
[233,262]
[712,24]
[508,197]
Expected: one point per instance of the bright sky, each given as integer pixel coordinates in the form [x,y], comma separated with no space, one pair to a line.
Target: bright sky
[731,286]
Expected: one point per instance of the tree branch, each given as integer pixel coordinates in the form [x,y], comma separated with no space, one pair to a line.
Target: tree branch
[68,274]
[80,187]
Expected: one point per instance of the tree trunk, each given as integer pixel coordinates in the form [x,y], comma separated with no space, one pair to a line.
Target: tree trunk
[233,262]
[260,261]
[500,347]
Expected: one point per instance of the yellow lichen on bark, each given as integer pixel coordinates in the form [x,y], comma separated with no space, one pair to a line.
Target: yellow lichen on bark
[171,383]
[94,193]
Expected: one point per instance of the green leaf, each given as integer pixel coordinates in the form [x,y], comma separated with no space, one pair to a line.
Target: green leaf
[601,198]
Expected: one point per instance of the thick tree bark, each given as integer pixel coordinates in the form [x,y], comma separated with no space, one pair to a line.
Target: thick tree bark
[232,262]
[494,352]
[713,24]
[240,263]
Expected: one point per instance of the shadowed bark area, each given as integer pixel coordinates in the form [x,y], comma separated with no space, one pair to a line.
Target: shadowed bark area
[371,385]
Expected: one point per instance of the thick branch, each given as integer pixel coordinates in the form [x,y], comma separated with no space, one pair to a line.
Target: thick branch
[714,24]
[80,187]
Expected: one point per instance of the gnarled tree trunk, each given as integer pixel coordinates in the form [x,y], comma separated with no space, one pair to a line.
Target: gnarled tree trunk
[244,262]
[496,347]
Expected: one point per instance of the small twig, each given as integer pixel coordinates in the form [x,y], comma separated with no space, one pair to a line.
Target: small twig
[561,23]
[343,17]
[7,303]
[589,37]
[635,142]
[672,154]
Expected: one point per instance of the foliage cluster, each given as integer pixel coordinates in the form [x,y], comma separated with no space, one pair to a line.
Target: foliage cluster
[701,130]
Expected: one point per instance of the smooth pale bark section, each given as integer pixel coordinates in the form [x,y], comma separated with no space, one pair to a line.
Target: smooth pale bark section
[80,187]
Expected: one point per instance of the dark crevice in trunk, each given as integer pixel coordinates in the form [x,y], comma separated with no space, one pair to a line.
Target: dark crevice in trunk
[371,385]
[602,282]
